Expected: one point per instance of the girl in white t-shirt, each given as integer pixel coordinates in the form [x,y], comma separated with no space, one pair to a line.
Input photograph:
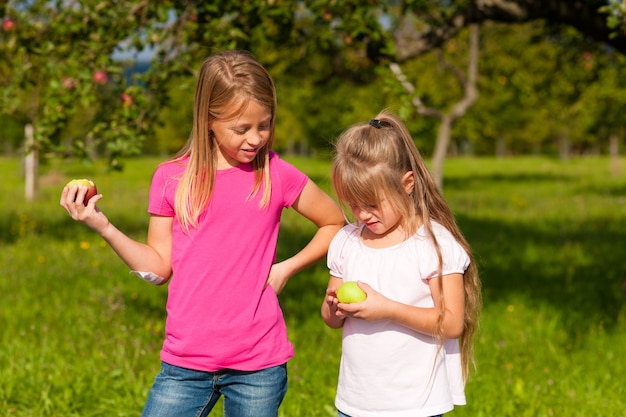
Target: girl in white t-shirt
[407,348]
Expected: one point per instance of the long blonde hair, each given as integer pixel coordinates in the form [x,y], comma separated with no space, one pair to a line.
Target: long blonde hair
[369,163]
[227,81]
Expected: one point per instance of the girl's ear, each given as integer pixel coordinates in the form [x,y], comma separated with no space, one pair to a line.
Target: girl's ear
[408,181]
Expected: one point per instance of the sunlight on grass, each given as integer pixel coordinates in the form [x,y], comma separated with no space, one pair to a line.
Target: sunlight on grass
[80,336]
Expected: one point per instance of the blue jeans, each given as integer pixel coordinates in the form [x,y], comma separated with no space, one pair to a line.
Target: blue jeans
[340,414]
[180,392]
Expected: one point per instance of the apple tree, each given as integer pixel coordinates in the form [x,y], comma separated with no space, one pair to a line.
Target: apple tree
[57,63]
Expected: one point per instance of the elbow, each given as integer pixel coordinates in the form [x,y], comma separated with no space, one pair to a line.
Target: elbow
[453,328]
[338,218]
[337,223]
[165,281]
[453,333]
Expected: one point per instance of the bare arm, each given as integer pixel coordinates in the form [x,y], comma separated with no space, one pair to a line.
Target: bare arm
[315,205]
[423,320]
[153,256]
[331,316]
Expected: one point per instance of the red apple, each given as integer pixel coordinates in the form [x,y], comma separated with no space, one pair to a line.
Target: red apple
[69,83]
[8,25]
[127,100]
[83,182]
[349,292]
[100,77]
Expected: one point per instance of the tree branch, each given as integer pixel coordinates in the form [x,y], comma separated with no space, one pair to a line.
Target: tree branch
[580,14]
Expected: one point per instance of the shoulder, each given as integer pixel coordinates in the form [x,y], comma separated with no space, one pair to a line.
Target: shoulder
[277,163]
[440,232]
[348,234]
[446,242]
[172,167]
[455,258]
[286,177]
[340,247]
[167,175]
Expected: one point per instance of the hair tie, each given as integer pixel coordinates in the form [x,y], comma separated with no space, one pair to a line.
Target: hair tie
[375,123]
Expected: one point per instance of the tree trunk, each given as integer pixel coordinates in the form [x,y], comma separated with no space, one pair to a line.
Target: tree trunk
[467,82]
[31,163]
[614,154]
[441,149]
[500,148]
[564,147]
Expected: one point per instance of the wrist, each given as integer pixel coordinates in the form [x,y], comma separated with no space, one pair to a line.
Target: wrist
[107,231]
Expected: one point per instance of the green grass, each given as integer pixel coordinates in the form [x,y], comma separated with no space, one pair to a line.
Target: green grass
[80,336]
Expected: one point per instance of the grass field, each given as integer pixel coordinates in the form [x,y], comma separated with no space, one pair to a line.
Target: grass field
[80,336]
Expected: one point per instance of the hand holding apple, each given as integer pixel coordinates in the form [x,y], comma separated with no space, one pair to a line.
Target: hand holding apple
[349,292]
[83,182]
[74,198]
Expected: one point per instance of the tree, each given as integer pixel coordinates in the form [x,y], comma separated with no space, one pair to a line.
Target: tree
[535,85]
[57,63]
[468,86]
[51,51]
[443,21]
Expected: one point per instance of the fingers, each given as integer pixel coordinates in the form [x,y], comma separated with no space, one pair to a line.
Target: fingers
[72,200]
[73,194]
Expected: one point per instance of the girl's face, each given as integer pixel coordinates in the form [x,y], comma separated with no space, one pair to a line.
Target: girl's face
[382,221]
[240,138]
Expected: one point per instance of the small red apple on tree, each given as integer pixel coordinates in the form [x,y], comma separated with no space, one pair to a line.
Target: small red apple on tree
[69,83]
[83,182]
[100,77]
[127,100]
[8,25]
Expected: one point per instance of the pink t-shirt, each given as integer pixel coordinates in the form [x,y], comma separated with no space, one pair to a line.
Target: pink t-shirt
[220,313]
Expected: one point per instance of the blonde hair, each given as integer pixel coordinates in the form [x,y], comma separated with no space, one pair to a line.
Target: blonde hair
[226,83]
[369,163]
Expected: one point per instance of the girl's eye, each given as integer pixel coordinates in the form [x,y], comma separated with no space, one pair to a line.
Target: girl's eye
[366,207]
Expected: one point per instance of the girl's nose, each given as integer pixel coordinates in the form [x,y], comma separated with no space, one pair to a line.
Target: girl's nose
[361,215]
[255,138]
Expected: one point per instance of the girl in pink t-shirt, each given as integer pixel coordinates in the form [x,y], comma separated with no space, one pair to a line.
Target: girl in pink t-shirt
[215,213]
[407,340]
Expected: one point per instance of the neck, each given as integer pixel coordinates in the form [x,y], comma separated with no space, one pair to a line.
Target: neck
[392,237]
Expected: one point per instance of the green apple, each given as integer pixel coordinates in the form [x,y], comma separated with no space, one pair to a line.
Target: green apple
[349,292]
[83,182]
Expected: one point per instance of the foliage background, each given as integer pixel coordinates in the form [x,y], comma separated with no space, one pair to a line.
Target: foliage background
[80,337]
[545,88]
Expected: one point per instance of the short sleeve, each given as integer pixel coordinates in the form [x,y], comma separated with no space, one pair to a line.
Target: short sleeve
[162,191]
[337,249]
[455,259]
[291,179]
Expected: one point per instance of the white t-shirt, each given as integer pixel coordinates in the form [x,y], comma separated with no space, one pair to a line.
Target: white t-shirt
[387,369]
